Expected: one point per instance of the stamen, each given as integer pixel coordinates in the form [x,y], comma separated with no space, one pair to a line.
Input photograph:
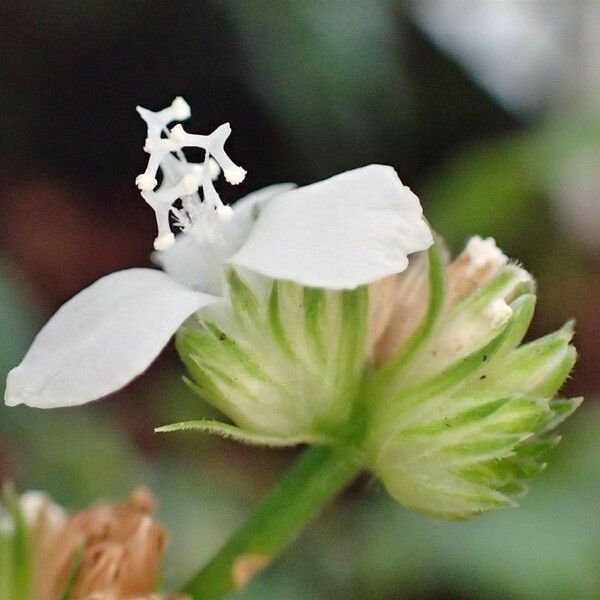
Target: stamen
[213,169]
[174,169]
[157,148]
[161,202]
[211,197]
[158,121]
[180,179]
[214,145]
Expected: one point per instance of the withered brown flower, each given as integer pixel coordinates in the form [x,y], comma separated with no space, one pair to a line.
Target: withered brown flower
[104,552]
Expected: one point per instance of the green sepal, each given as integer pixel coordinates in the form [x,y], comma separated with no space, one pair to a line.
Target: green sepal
[539,367]
[251,438]
[389,404]
[509,474]
[459,374]
[245,304]
[443,460]
[562,409]
[467,326]
[436,346]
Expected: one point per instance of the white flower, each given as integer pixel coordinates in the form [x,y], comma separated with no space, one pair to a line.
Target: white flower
[347,231]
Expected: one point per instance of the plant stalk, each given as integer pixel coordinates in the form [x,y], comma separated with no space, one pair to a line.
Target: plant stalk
[319,474]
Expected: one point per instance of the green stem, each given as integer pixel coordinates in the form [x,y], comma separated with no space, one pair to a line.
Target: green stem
[317,477]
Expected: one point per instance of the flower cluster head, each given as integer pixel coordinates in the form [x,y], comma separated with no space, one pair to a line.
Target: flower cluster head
[326,314]
[102,553]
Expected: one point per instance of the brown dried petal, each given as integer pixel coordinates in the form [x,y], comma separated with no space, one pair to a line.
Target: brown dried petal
[406,308]
[121,549]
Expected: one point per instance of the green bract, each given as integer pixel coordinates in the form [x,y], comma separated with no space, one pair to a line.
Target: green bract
[460,422]
[446,408]
[284,362]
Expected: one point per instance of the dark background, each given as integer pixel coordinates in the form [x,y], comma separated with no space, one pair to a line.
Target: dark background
[488,110]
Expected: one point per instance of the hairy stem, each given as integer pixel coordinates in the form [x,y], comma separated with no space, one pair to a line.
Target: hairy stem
[315,479]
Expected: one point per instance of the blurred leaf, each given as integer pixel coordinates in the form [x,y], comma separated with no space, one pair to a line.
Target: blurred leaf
[17,325]
[21,548]
[498,188]
[198,515]
[318,66]
[77,455]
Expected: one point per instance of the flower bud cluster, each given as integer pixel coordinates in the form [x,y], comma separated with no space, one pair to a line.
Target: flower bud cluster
[423,371]
[461,414]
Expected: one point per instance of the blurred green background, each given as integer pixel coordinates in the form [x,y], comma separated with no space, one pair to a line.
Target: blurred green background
[489,110]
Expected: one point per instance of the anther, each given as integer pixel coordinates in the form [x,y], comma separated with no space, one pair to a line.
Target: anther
[145,183]
[180,109]
[214,144]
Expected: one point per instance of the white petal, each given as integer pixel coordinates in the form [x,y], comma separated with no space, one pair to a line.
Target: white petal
[193,265]
[102,339]
[343,232]
[199,266]
[245,212]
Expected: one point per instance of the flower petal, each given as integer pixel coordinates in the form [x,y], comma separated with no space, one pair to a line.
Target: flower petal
[343,232]
[246,210]
[199,266]
[192,264]
[102,339]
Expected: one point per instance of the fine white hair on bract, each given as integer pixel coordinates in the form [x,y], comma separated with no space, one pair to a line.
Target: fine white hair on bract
[181,180]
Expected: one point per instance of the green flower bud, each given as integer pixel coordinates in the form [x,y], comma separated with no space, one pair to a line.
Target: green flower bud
[460,415]
[282,361]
